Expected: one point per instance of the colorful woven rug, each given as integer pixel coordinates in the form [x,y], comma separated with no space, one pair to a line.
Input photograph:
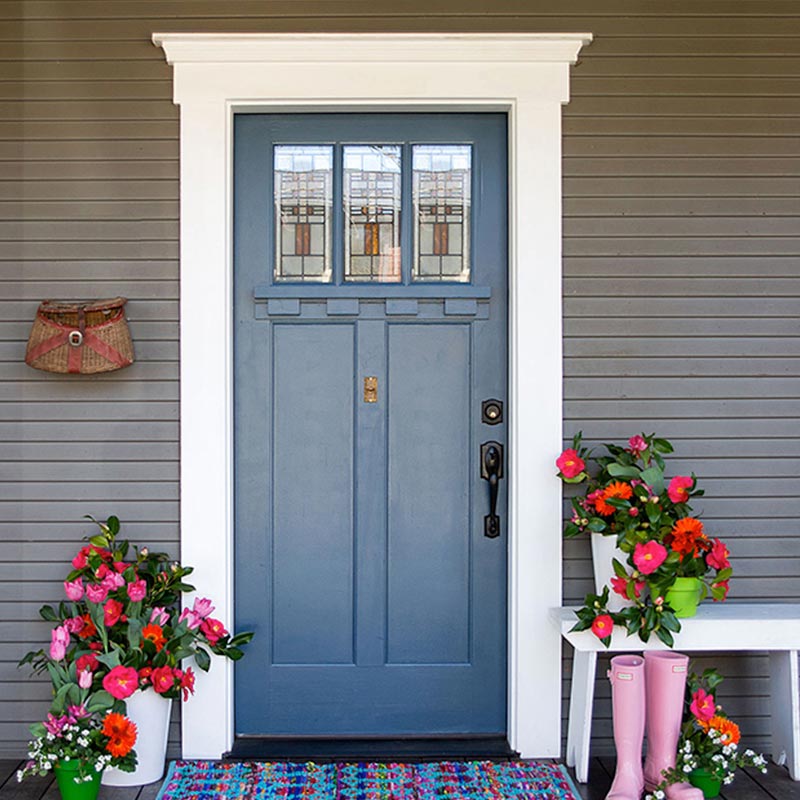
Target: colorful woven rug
[476,780]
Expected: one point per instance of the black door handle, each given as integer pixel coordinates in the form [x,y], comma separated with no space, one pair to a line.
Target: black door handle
[492,471]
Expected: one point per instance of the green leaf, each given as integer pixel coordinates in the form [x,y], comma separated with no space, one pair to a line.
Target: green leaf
[47,613]
[580,626]
[663,446]
[134,630]
[234,653]
[112,523]
[619,570]
[110,660]
[654,477]
[99,540]
[99,701]
[579,478]
[621,471]
[242,638]
[203,659]
[665,636]
[597,525]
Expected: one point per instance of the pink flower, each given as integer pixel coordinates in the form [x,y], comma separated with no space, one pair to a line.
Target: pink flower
[112,581]
[74,589]
[85,678]
[703,706]
[74,624]
[59,642]
[88,661]
[159,616]
[718,557]
[187,683]
[96,592]
[194,620]
[620,586]
[202,607]
[77,712]
[570,463]
[137,590]
[602,626]
[636,445]
[121,682]
[120,566]
[633,512]
[649,557]
[678,487]
[111,613]
[163,679]
[213,629]
[55,725]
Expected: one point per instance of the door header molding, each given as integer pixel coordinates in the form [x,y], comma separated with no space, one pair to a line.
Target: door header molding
[523,75]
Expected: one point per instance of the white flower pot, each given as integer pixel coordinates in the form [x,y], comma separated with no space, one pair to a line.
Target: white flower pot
[604,550]
[150,713]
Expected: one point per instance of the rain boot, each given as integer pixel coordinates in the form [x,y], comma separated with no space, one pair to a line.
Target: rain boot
[627,700]
[665,679]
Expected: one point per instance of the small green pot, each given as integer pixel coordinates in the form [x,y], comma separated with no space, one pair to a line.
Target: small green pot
[684,595]
[66,774]
[706,783]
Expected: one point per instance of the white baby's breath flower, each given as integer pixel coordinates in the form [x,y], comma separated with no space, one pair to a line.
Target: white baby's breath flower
[687,768]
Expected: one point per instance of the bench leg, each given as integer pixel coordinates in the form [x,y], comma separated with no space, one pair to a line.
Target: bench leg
[581,700]
[785,703]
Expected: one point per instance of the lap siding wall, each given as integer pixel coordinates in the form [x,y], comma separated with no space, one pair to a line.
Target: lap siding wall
[681,242]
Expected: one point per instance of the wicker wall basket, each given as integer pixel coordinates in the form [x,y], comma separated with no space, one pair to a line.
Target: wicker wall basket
[80,337]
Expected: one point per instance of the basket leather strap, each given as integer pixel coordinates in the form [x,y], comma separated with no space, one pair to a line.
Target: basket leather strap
[74,356]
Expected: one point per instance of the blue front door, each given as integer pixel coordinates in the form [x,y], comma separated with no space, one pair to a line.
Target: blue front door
[370,300]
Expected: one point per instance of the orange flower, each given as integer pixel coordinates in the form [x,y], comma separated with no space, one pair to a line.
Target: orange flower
[155,633]
[729,730]
[121,734]
[619,490]
[688,536]
[88,630]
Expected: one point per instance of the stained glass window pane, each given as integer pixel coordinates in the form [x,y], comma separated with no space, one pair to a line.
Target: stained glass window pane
[303,187]
[441,188]
[372,212]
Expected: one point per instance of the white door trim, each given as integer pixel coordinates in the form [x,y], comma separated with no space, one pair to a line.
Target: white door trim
[525,75]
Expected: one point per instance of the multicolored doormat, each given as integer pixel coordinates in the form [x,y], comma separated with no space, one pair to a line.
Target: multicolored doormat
[469,780]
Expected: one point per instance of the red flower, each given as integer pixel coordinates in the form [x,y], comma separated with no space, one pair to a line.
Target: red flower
[213,629]
[570,463]
[187,683]
[121,682]
[649,557]
[111,612]
[678,488]
[155,633]
[602,626]
[163,679]
[144,674]
[620,586]
[88,661]
[88,628]
[718,557]
[121,734]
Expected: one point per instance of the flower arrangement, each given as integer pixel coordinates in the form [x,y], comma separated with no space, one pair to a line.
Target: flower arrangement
[119,629]
[628,496]
[709,741]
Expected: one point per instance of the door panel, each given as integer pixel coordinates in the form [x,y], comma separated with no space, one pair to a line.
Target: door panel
[379,606]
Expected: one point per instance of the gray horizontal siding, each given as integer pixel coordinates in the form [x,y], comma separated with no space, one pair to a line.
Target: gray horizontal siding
[681,241]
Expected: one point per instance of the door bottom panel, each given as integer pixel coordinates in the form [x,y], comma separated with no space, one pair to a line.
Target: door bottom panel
[427,748]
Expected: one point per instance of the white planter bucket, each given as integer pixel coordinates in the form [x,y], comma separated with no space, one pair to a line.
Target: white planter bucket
[604,549]
[150,713]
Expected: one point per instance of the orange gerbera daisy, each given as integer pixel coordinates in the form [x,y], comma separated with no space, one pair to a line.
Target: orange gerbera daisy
[121,734]
[619,490]
[688,536]
[729,730]
[155,633]
[88,630]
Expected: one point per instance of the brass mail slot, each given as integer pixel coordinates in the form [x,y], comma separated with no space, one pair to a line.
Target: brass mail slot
[370,389]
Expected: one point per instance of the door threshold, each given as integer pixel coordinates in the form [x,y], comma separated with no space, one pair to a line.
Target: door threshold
[428,748]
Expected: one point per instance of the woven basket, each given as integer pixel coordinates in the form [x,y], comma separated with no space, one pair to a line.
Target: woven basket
[80,337]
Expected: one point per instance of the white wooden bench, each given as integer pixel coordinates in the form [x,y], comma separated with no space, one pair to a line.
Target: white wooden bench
[729,627]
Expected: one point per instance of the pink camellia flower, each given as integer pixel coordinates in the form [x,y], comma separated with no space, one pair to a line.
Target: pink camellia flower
[194,621]
[101,572]
[718,557]
[202,607]
[74,624]
[111,612]
[96,592]
[213,629]
[121,682]
[570,463]
[159,616]
[602,626]
[59,642]
[678,488]
[620,586]
[112,580]
[55,725]
[703,705]
[163,679]
[187,683]
[74,589]
[85,679]
[137,590]
[120,566]
[636,445]
[79,562]
[649,557]
[88,661]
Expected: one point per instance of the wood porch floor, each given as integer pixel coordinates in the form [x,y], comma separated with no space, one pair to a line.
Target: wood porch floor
[775,785]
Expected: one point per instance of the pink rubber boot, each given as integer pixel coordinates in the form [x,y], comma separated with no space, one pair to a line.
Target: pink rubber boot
[627,699]
[665,678]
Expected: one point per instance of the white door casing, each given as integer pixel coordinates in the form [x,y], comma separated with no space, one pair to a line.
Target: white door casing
[524,75]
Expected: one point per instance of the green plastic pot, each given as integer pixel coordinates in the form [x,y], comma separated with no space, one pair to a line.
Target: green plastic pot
[684,595]
[72,789]
[706,783]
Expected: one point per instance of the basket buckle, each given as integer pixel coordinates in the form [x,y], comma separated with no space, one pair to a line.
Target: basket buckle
[76,338]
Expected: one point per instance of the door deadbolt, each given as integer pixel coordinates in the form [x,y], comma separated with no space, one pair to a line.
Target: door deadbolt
[492,412]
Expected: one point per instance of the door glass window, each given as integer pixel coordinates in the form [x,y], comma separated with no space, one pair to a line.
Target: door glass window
[303,196]
[441,191]
[372,197]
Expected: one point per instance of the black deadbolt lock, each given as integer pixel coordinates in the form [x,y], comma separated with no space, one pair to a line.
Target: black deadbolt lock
[492,412]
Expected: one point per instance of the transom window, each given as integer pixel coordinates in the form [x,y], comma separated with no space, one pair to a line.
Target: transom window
[386,213]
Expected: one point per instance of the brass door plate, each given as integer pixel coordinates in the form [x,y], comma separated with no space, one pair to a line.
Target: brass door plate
[370,389]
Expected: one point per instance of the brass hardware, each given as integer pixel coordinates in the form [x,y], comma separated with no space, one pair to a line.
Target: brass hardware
[370,389]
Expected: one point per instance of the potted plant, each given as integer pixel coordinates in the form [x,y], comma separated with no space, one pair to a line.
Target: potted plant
[122,632]
[708,748]
[661,545]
